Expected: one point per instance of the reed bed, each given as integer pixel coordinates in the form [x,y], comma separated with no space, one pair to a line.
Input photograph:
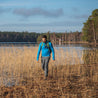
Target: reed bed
[70,76]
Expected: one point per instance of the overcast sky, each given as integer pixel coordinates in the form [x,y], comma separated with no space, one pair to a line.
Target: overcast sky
[45,15]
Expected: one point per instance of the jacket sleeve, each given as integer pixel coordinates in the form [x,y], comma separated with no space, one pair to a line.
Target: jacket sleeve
[53,52]
[38,53]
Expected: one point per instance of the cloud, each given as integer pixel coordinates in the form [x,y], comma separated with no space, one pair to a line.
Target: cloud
[41,29]
[77,14]
[50,24]
[38,11]
[65,23]
[58,26]
[2,10]
[81,16]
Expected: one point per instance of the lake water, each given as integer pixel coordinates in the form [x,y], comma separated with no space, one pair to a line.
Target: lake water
[21,44]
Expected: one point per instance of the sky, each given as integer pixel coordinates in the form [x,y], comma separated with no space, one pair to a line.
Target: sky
[45,15]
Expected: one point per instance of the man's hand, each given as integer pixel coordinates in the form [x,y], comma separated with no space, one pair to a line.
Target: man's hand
[53,60]
[37,61]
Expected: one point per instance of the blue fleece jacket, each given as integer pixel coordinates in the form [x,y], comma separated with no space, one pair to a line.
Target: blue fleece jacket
[45,51]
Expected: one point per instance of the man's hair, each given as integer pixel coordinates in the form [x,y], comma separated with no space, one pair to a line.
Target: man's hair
[44,36]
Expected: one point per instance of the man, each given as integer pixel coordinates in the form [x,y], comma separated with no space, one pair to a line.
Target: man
[47,48]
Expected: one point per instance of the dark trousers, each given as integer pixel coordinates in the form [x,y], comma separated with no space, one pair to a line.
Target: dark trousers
[44,64]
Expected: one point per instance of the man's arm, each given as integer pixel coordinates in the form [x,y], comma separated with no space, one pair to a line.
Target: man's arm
[53,52]
[38,53]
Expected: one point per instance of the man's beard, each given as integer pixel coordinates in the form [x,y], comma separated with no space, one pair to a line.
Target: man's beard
[44,41]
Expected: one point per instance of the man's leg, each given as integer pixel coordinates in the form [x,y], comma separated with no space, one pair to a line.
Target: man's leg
[43,63]
[46,65]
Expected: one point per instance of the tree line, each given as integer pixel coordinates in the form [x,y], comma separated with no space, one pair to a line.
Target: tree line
[30,36]
[90,28]
[18,36]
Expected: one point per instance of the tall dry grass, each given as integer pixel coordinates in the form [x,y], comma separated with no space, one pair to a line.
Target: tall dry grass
[21,76]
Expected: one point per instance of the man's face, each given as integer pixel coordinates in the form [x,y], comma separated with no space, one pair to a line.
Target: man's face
[44,40]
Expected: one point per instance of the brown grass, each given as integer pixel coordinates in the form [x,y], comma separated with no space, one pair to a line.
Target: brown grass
[22,77]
